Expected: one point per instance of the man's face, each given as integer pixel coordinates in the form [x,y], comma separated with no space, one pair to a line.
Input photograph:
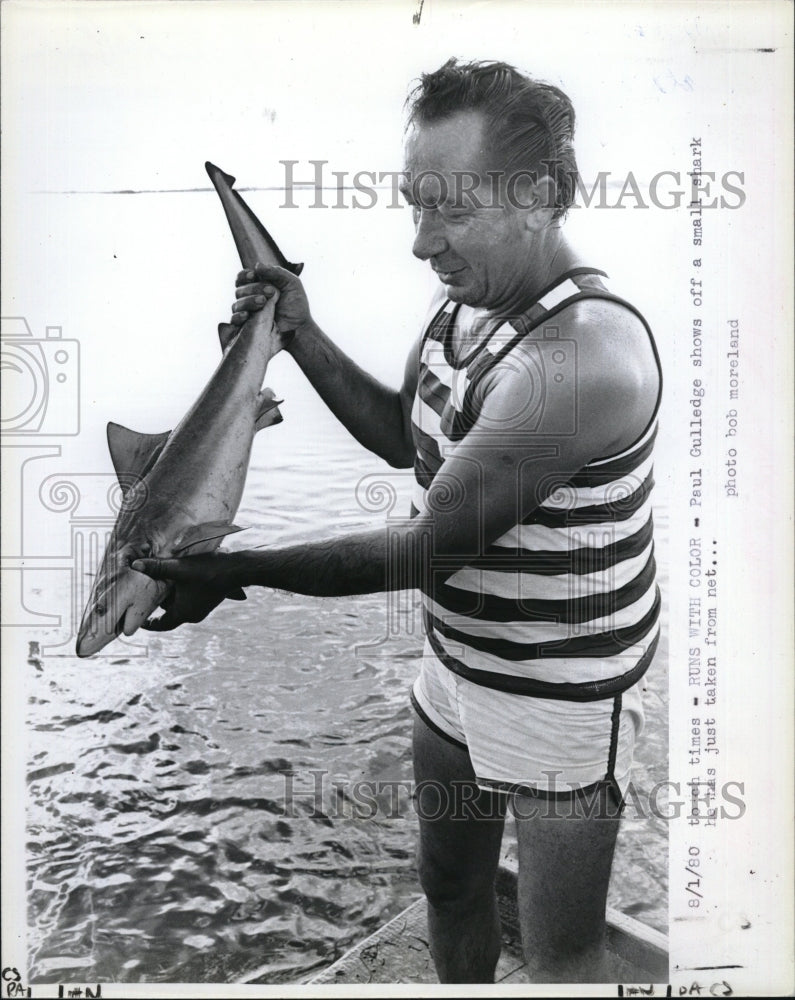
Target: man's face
[477,243]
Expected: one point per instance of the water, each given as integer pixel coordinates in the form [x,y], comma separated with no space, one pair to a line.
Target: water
[198,813]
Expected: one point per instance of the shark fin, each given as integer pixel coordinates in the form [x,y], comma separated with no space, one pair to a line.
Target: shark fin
[237,595]
[133,454]
[202,533]
[226,334]
[268,413]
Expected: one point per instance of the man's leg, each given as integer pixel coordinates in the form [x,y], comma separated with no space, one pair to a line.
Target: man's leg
[565,856]
[458,857]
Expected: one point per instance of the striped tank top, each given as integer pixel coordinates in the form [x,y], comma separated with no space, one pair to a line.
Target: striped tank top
[564,605]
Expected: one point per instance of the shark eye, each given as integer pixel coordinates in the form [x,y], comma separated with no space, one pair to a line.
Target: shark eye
[100,608]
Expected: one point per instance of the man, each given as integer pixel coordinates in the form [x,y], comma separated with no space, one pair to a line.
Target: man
[527,409]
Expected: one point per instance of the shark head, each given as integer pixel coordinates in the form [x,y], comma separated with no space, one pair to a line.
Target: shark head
[121,600]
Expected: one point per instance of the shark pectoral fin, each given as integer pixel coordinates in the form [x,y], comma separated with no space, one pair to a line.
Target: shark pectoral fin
[268,412]
[226,334]
[237,595]
[133,454]
[205,532]
[268,418]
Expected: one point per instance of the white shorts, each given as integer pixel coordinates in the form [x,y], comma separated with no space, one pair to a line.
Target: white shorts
[520,743]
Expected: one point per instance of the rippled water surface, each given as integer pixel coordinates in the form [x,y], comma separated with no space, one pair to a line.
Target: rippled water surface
[196,808]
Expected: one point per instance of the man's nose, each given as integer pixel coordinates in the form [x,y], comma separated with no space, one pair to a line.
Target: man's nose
[429,239]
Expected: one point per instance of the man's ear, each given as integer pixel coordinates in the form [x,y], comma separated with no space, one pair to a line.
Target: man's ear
[542,199]
[534,198]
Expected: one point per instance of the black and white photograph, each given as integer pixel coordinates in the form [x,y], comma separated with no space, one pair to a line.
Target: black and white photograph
[397,498]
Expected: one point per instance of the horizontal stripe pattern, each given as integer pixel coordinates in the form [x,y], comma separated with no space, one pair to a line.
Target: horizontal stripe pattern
[620,489]
[523,585]
[527,632]
[616,507]
[606,644]
[605,470]
[582,558]
[482,603]
[631,670]
[564,604]
[570,536]
[548,670]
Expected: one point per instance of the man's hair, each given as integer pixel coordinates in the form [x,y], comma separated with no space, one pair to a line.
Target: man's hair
[529,123]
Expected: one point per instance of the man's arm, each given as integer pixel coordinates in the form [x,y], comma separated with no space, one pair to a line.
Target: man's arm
[497,475]
[501,471]
[376,415]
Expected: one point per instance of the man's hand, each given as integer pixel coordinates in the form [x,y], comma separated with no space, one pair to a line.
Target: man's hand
[257,286]
[201,583]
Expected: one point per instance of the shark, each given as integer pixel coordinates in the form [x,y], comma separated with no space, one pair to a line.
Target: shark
[181,489]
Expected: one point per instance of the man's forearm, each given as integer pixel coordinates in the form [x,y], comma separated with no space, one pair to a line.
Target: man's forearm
[370,562]
[371,411]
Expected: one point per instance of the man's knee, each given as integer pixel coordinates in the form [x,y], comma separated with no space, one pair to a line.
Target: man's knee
[454,882]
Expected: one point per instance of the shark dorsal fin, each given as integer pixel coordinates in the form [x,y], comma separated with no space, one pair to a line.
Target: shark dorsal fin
[205,532]
[133,454]
[268,413]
